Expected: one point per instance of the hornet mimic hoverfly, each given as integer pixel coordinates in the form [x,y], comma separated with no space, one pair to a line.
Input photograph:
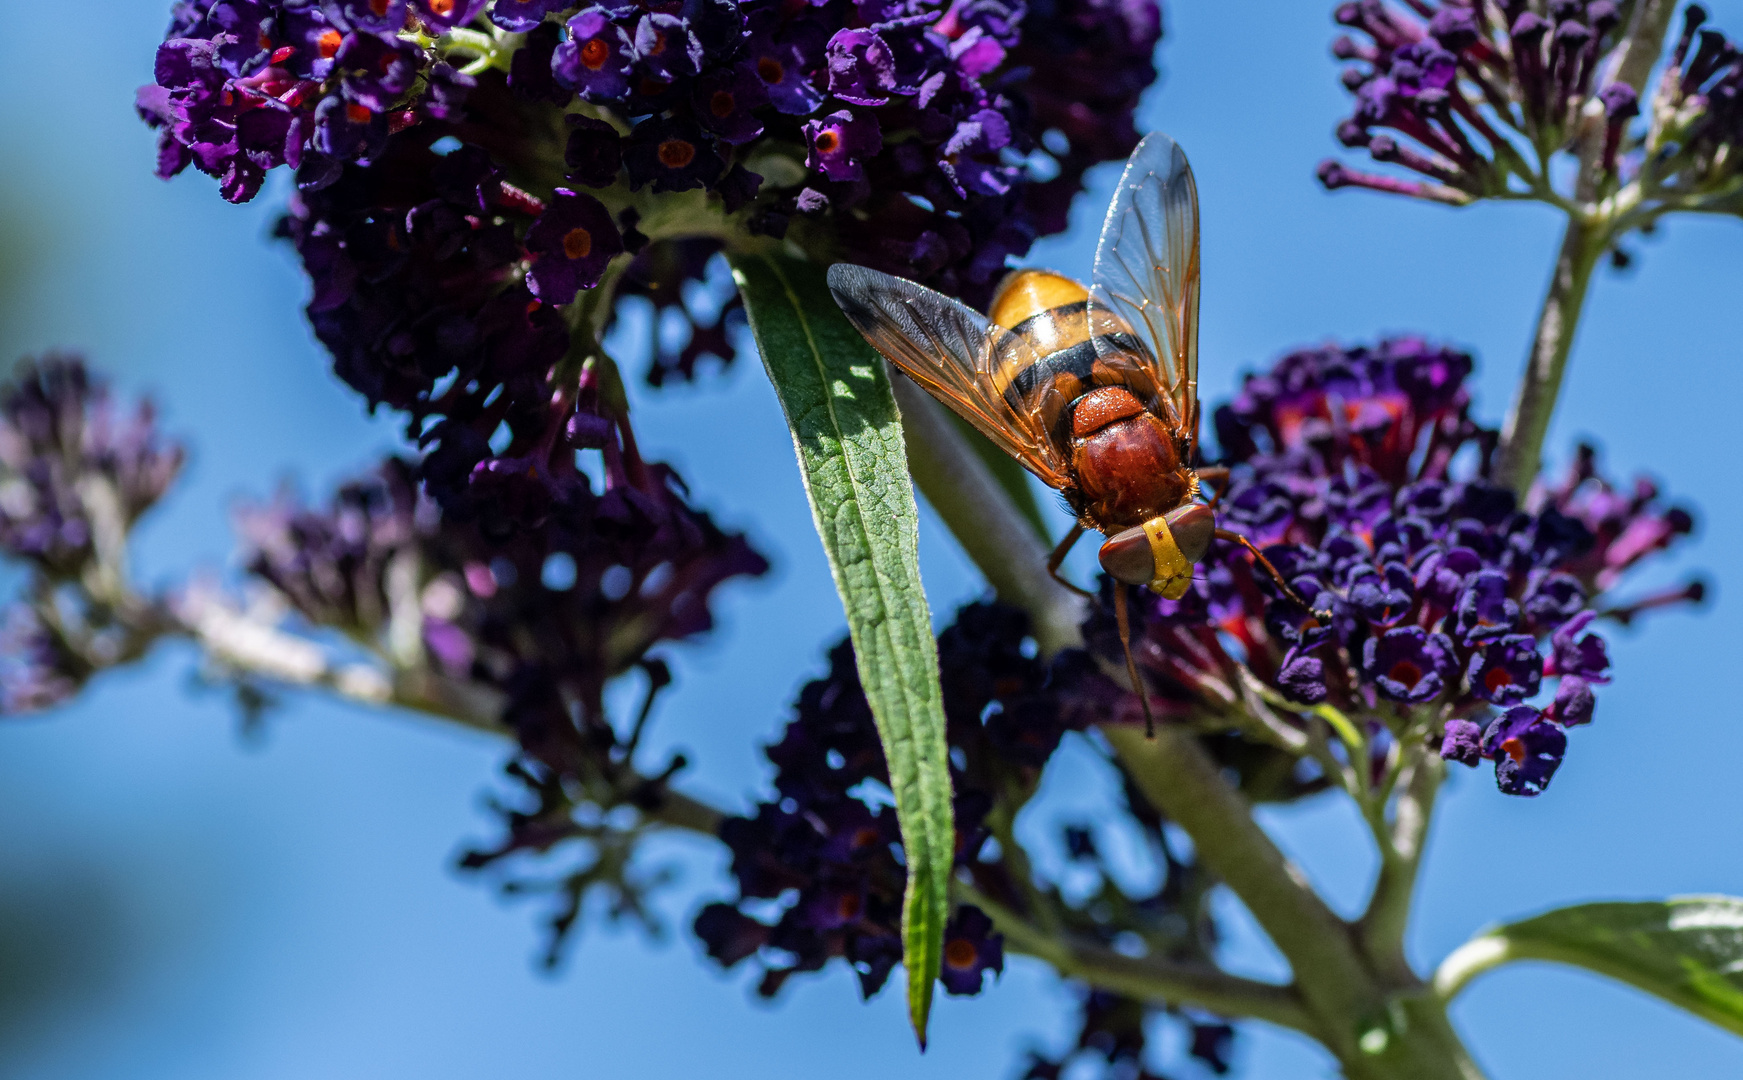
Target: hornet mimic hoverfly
[1093,390]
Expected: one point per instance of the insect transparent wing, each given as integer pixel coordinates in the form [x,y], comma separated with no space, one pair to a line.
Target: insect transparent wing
[953,351]
[1147,269]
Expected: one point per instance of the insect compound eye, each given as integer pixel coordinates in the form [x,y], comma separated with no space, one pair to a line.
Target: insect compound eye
[1193,527]
[1126,557]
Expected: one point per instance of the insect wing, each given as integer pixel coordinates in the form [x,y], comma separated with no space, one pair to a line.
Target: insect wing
[953,351]
[1147,270]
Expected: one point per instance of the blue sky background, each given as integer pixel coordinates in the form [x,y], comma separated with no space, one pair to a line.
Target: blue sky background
[179,901]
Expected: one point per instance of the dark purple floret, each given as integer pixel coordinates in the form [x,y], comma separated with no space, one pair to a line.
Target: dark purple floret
[1462,742]
[1584,657]
[672,154]
[594,154]
[595,58]
[971,949]
[862,68]
[1507,670]
[1485,612]
[521,16]
[839,143]
[1408,663]
[1302,678]
[729,936]
[1552,598]
[726,103]
[1526,748]
[570,244]
[1574,702]
[782,57]
[665,47]
[376,72]
[374,16]
[444,15]
[531,73]
[970,155]
[345,129]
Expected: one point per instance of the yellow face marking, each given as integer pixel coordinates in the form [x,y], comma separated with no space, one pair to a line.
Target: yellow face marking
[1173,574]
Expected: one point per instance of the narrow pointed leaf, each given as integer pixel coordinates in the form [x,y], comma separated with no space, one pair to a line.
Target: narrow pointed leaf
[1687,950]
[848,435]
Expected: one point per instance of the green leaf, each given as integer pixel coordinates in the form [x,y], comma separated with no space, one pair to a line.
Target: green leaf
[1688,950]
[849,438]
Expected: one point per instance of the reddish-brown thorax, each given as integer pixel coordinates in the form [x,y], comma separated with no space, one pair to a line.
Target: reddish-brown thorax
[1127,465]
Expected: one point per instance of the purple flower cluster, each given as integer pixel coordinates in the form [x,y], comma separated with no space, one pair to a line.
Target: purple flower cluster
[533,624]
[76,473]
[817,865]
[1454,609]
[833,851]
[73,464]
[1701,94]
[244,86]
[1430,80]
[37,668]
[477,179]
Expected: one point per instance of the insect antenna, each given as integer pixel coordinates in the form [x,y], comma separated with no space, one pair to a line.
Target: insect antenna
[1125,625]
[1322,617]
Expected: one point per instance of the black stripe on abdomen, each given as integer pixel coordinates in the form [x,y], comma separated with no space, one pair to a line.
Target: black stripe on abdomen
[1029,328]
[1077,361]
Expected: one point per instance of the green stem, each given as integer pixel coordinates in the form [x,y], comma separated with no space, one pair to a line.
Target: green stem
[250,647]
[1176,775]
[1521,450]
[1147,979]
[1468,961]
[1383,925]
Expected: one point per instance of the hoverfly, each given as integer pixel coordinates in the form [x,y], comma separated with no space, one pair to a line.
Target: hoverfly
[1093,390]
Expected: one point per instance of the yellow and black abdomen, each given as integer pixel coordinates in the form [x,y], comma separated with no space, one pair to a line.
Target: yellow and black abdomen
[1052,315]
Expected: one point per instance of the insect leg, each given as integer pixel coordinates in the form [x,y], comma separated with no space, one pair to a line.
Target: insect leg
[1138,687]
[1218,475]
[1236,538]
[1058,557]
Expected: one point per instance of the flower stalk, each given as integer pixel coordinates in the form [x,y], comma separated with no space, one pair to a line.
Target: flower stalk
[1521,448]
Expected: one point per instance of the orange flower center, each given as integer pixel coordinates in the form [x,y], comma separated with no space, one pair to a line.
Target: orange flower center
[379,6]
[721,104]
[828,141]
[1405,672]
[441,7]
[577,242]
[961,954]
[1497,678]
[357,114]
[676,153]
[328,43]
[1515,750]
[848,907]
[771,70]
[594,54]
[659,45]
